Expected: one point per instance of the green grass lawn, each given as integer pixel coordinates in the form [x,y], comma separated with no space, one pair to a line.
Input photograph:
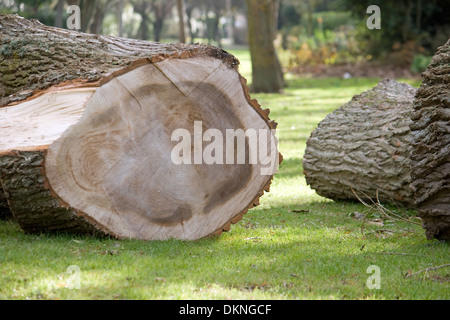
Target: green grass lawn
[295,245]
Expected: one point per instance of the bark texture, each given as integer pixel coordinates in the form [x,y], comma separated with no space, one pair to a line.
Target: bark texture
[35,57]
[430,152]
[86,122]
[5,212]
[364,146]
[34,206]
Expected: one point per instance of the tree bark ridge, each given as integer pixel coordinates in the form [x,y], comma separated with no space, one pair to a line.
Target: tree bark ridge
[5,212]
[430,152]
[36,57]
[363,146]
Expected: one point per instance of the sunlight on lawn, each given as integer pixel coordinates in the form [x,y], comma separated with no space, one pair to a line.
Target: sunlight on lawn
[295,245]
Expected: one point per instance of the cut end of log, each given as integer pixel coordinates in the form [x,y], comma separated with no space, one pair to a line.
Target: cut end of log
[110,149]
[164,147]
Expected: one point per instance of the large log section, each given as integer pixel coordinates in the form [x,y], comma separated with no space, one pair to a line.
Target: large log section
[430,154]
[86,124]
[363,147]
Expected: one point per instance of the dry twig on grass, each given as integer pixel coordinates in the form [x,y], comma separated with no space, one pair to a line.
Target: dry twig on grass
[383,211]
[408,275]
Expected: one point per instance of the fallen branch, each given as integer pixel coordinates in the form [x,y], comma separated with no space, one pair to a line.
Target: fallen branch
[401,254]
[408,275]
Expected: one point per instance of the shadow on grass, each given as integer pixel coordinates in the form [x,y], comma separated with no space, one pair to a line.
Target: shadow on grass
[310,250]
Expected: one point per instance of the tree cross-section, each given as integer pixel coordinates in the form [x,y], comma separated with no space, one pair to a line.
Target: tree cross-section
[87,127]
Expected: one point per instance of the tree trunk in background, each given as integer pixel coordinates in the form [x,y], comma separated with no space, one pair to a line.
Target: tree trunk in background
[181,32]
[88,135]
[87,9]
[216,30]
[161,10]
[141,9]
[120,6]
[144,26]
[430,154]
[157,29]
[189,10]
[408,21]
[98,16]
[309,14]
[266,68]
[419,15]
[364,145]
[230,21]
[59,14]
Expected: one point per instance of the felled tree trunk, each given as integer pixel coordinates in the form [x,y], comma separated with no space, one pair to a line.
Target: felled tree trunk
[91,126]
[362,147]
[430,154]
[5,213]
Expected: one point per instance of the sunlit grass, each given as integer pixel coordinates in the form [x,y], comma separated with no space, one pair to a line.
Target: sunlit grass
[295,245]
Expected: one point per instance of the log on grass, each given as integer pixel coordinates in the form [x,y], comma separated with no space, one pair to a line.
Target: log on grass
[362,148]
[430,153]
[87,127]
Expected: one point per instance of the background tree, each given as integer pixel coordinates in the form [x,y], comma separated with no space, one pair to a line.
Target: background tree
[87,9]
[238,11]
[180,11]
[306,7]
[424,24]
[37,9]
[142,8]
[190,6]
[214,11]
[120,7]
[59,13]
[312,32]
[161,10]
[266,68]
[101,9]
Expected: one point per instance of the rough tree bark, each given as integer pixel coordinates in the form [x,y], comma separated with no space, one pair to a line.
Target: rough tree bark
[181,25]
[266,68]
[5,213]
[364,146]
[87,124]
[430,152]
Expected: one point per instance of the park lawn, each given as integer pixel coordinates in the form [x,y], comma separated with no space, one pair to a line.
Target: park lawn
[295,245]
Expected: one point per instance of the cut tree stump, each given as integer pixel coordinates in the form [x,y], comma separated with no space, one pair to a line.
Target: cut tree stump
[87,125]
[430,154]
[363,147]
